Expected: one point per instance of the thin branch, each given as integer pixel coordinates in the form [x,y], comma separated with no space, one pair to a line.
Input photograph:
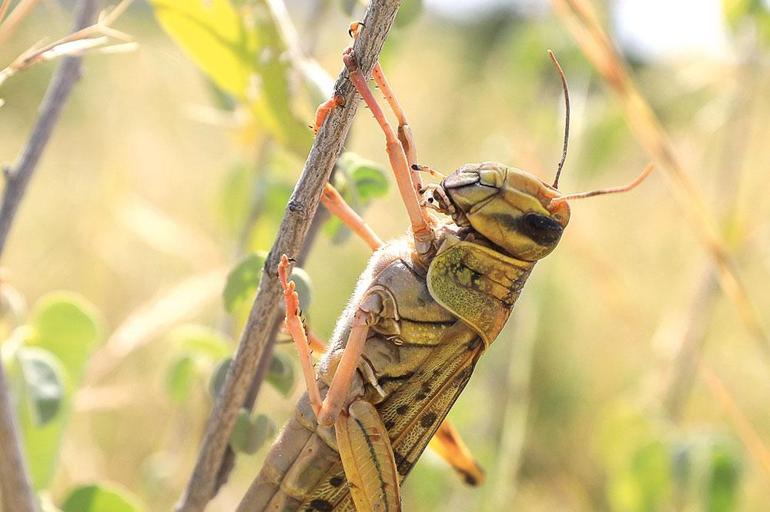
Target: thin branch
[17,176]
[263,365]
[18,495]
[300,211]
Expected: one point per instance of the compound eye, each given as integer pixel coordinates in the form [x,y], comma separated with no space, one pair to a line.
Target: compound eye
[541,228]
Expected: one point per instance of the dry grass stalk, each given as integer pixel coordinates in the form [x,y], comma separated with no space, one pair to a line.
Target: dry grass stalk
[94,37]
[581,20]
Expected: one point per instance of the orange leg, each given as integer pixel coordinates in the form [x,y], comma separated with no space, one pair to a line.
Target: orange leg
[296,329]
[346,369]
[323,110]
[404,131]
[336,205]
[405,135]
[316,344]
[328,409]
[449,445]
[423,233]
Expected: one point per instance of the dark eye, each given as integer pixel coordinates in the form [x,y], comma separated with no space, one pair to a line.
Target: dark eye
[541,229]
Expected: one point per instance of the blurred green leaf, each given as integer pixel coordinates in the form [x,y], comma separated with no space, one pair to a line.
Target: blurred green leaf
[180,378]
[198,347]
[724,477]
[217,379]
[100,498]
[43,384]
[369,181]
[64,330]
[249,434]
[242,51]
[281,373]
[713,470]
[243,280]
[638,460]
[236,196]
[69,327]
[212,34]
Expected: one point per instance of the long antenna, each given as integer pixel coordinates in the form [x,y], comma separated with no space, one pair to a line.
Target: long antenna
[566,120]
[612,190]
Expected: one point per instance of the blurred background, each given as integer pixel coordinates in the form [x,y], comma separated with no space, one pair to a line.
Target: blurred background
[626,380]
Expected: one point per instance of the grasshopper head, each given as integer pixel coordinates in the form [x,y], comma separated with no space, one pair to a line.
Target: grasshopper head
[510,207]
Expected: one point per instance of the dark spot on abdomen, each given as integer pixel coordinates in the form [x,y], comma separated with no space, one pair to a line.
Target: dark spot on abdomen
[321,506]
[401,409]
[428,419]
[336,481]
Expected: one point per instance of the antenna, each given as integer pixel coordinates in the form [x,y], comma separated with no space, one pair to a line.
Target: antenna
[566,120]
[603,191]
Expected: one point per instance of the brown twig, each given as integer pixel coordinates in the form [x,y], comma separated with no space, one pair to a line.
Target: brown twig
[296,221]
[263,365]
[18,495]
[579,17]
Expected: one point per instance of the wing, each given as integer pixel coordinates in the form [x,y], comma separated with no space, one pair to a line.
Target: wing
[412,412]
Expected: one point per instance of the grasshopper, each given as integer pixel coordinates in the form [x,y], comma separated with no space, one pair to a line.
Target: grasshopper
[424,311]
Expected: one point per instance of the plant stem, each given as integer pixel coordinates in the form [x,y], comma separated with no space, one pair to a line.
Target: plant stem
[299,214]
[18,495]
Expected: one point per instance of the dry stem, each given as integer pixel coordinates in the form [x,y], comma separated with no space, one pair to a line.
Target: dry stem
[18,495]
[294,226]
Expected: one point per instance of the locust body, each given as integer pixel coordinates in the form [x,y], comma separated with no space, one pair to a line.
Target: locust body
[424,311]
[432,320]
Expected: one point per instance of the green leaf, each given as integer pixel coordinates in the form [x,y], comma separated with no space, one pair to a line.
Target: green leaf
[217,379]
[212,34]
[243,280]
[369,181]
[180,378]
[100,498]
[43,384]
[249,434]
[69,327]
[243,52]
[281,373]
[724,477]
